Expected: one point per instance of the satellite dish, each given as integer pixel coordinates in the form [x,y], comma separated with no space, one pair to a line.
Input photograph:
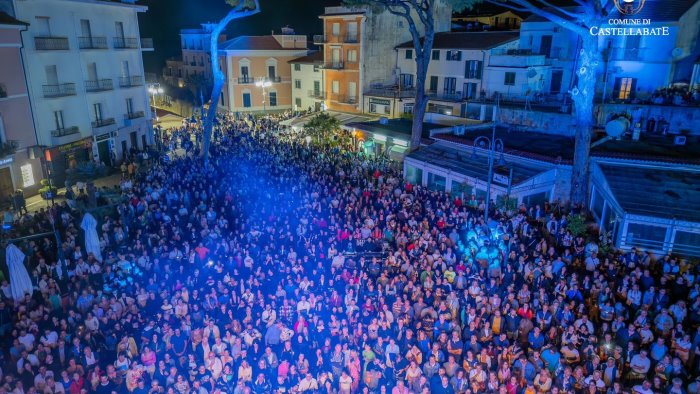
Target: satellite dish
[676,52]
[531,72]
[617,127]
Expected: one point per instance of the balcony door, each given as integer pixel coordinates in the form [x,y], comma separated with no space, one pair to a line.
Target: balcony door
[335,56]
[85,29]
[450,85]
[352,31]
[51,74]
[125,69]
[42,26]
[545,45]
[97,108]
[92,71]
[119,27]
[352,91]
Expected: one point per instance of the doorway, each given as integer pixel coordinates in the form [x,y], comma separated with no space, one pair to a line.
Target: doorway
[104,153]
[557,76]
[6,187]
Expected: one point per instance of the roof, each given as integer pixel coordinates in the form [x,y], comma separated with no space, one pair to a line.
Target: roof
[358,12]
[486,9]
[468,40]
[255,43]
[537,18]
[311,58]
[395,128]
[654,191]
[659,10]
[6,19]
[474,166]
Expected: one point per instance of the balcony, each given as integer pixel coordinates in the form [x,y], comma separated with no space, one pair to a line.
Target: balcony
[344,99]
[319,39]
[274,79]
[65,131]
[128,82]
[103,122]
[449,96]
[51,43]
[334,66]
[92,42]
[392,92]
[244,80]
[317,94]
[336,39]
[517,58]
[60,90]
[99,85]
[134,115]
[126,43]
[351,38]
[146,44]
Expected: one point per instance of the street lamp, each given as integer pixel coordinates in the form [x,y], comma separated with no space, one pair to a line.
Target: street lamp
[492,144]
[153,90]
[263,84]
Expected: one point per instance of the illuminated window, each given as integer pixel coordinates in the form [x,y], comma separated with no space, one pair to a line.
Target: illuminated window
[625,88]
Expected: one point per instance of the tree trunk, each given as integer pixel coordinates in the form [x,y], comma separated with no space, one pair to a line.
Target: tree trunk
[421,99]
[583,95]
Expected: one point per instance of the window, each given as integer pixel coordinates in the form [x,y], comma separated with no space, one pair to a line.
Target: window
[221,99]
[436,182]
[297,102]
[454,56]
[58,120]
[379,109]
[408,108]
[624,88]
[335,86]
[435,55]
[414,174]
[271,72]
[273,99]
[406,81]
[297,67]
[409,54]
[646,236]
[336,29]
[97,107]
[432,87]
[352,56]
[469,90]
[317,88]
[43,26]
[472,69]
[246,100]
[450,85]
[297,84]
[509,79]
[129,106]
[686,243]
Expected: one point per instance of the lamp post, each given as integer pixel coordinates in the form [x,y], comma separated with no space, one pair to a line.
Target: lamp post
[263,84]
[492,144]
[154,89]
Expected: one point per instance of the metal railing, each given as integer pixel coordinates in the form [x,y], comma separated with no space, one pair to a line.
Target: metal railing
[59,90]
[450,96]
[64,131]
[92,42]
[347,38]
[351,38]
[394,91]
[99,85]
[344,99]
[245,80]
[126,43]
[334,66]
[134,115]
[127,82]
[319,39]
[274,79]
[146,43]
[317,94]
[51,43]
[103,122]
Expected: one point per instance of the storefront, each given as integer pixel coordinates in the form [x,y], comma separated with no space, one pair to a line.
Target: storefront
[69,157]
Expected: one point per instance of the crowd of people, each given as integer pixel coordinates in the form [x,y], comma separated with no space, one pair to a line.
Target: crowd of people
[287,268]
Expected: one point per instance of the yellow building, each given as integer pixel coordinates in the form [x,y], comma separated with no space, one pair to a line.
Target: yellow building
[258,72]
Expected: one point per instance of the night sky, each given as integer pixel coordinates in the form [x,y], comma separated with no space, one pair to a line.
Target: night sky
[165,18]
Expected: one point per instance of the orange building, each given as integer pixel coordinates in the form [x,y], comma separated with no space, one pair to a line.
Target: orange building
[358,50]
[258,73]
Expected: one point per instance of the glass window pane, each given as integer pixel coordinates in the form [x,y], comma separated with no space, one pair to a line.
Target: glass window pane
[436,182]
[687,243]
[646,236]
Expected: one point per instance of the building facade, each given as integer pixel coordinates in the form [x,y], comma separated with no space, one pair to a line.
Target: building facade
[250,59]
[355,44]
[455,75]
[307,82]
[85,75]
[20,166]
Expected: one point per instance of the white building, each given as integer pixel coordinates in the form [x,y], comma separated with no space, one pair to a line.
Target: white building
[307,82]
[85,76]
[455,74]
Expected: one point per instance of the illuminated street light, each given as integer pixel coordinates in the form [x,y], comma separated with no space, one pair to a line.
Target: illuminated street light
[263,84]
